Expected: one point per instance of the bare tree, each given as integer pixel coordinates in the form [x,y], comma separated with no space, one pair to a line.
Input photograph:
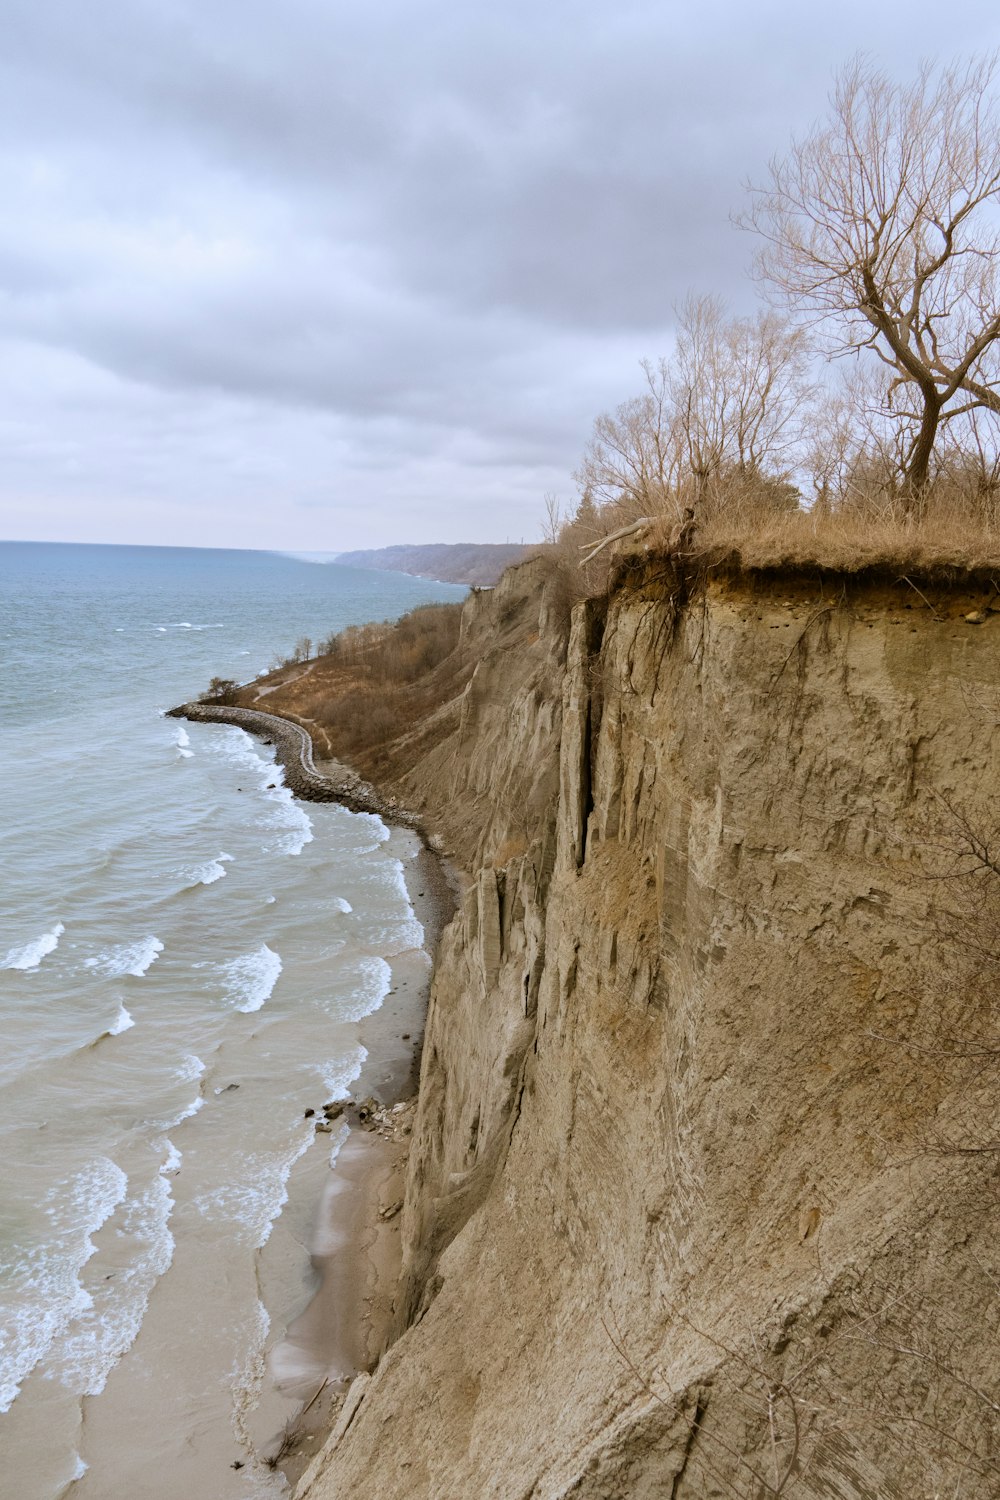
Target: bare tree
[555,520]
[631,460]
[881,225]
[739,392]
[730,400]
[832,448]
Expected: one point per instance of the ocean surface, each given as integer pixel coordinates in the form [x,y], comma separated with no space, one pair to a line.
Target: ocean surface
[185,955]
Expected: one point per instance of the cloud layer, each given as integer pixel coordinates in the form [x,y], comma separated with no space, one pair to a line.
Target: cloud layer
[324,275]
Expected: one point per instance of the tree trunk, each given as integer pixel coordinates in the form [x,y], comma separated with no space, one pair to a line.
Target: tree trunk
[918,468]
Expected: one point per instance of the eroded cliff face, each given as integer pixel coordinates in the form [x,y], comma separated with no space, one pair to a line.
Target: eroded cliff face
[703,1192]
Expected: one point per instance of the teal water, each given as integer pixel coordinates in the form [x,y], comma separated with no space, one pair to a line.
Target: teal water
[171,923]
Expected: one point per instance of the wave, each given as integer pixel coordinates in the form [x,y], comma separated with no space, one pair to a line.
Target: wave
[292,817]
[374,980]
[192,1067]
[187,625]
[390,933]
[178,1119]
[127,958]
[234,744]
[28,958]
[256,1190]
[338,1076]
[104,1331]
[378,830]
[209,873]
[246,1383]
[251,979]
[339,904]
[287,816]
[172,1164]
[123,1021]
[46,1294]
[183,742]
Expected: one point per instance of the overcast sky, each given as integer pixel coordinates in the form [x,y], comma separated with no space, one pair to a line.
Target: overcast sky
[302,273]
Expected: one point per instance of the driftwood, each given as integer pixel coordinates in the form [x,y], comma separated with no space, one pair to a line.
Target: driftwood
[615,536]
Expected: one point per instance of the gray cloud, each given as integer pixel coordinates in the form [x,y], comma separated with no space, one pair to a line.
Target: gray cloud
[319,275]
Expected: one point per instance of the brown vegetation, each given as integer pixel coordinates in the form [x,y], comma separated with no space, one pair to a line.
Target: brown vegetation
[954,535]
[368,684]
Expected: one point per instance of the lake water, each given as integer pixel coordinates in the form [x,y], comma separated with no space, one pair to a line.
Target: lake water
[185,955]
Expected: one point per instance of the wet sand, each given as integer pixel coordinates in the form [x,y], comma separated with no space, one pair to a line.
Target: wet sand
[354,1243]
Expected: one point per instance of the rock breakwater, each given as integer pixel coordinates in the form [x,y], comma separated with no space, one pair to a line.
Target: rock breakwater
[294,753]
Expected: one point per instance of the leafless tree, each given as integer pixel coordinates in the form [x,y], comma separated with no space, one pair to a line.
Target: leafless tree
[739,391]
[881,225]
[731,400]
[631,460]
[554,517]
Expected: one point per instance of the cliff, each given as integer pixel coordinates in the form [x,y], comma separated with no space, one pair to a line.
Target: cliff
[703,1185]
[448,562]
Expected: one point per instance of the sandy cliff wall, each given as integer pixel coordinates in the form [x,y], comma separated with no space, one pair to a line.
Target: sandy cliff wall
[704,1184]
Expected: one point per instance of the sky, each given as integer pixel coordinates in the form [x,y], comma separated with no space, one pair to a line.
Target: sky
[316,275]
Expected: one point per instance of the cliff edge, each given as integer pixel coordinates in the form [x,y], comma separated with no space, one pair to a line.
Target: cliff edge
[703,1187]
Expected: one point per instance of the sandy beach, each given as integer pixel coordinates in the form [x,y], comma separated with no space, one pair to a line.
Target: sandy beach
[354,1237]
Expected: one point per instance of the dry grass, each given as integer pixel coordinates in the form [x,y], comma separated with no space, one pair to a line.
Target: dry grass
[956,535]
[948,541]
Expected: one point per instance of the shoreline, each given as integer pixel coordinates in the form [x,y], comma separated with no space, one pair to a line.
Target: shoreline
[294,753]
[356,1247]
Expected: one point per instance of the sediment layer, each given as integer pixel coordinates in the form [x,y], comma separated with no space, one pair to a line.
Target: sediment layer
[702,1194]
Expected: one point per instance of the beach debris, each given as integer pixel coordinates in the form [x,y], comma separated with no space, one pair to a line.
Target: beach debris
[390,1211]
[237,1463]
[310,1113]
[336,1109]
[975,617]
[391,1121]
[324,1126]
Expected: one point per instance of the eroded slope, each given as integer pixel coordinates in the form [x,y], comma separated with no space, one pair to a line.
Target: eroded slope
[703,1191]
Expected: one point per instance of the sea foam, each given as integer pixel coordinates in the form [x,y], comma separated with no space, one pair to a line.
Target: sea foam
[44,1286]
[249,980]
[122,1022]
[127,958]
[101,1333]
[209,873]
[30,956]
[373,982]
[285,816]
[256,1190]
[183,742]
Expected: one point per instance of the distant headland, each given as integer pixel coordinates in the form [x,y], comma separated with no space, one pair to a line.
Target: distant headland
[449,562]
